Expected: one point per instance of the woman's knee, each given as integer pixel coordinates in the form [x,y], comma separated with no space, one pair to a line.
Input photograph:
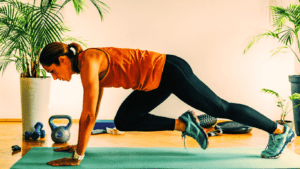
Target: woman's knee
[120,124]
[224,105]
[227,109]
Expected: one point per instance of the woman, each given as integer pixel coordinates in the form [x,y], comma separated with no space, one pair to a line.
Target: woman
[154,77]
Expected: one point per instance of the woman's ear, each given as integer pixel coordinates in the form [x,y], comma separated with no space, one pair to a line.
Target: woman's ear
[62,59]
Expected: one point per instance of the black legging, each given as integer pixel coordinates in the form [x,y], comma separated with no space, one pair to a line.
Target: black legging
[179,79]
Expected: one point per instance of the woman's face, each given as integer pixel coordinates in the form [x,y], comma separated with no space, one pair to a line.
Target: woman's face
[63,71]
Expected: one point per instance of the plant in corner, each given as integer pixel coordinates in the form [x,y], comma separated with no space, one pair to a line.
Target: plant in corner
[24,30]
[286,23]
[283,33]
[281,103]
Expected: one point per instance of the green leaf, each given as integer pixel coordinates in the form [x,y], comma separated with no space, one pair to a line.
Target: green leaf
[4,63]
[100,7]
[287,37]
[270,92]
[69,39]
[278,50]
[26,28]
[44,73]
[259,37]
[79,5]
[295,96]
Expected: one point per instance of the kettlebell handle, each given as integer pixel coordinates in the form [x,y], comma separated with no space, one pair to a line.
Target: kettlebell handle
[52,126]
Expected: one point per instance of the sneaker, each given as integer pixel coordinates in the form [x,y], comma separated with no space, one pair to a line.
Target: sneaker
[193,129]
[278,142]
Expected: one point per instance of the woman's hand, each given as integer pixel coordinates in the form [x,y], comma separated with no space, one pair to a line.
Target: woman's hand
[65,162]
[70,148]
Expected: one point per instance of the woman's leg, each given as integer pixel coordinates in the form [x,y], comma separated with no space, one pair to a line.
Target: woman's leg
[187,87]
[133,114]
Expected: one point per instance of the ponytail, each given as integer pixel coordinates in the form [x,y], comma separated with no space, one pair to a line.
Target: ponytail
[74,57]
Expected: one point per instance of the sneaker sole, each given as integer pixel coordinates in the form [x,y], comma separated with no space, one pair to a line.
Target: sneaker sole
[286,145]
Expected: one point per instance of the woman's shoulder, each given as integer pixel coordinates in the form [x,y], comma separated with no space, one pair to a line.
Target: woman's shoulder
[92,53]
[94,56]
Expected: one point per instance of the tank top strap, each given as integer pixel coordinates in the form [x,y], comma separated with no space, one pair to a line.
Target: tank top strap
[82,53]
[102,51]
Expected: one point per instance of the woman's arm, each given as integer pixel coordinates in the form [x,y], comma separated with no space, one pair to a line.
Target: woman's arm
[92,93]
[99,101]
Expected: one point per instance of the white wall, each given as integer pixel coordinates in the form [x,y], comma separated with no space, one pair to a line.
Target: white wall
[209,34]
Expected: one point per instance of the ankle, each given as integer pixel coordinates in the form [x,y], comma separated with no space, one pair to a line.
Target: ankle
[279,130]
[179,125]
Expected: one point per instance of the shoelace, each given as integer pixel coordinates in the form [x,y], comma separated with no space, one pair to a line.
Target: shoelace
[272,143]
[185,133]
[269,143]
[183,137]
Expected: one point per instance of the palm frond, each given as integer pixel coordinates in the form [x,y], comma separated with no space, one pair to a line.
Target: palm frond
[47,28]
[17,42]
[101,7]
[287,37]
[278,50]
[79,5]
[18,64]
[4,62]
[69,39]
[258,38]
[279,16]
[65,3]
[293,13]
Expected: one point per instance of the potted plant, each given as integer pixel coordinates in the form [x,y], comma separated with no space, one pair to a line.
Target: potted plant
[24,30]
[284,107]
[286,22]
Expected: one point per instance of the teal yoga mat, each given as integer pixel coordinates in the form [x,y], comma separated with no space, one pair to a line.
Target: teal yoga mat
[101,157]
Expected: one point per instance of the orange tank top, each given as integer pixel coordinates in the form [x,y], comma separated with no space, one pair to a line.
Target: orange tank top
[132,68]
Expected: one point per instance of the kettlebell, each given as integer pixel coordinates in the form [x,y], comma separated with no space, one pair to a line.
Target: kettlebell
[60,134]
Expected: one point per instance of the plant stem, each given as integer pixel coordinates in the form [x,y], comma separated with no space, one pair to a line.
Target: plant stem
[286,108]
[281,103]
[298,45]
[295,52]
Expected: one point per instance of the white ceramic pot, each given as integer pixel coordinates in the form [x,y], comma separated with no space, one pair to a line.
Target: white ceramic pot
[287,122]
[35,99]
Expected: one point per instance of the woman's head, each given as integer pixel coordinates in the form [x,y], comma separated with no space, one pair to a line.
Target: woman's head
[58,59]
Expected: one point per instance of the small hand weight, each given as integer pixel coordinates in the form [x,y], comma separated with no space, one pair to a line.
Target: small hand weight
[60,134]
[38,132]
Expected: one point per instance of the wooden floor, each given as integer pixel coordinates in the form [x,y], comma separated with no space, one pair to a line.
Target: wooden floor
[11,134]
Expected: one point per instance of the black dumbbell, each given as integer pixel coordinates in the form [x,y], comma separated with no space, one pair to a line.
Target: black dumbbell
[37,133]
[16,148]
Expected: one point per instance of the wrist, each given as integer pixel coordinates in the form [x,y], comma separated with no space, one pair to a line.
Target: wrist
[76,156]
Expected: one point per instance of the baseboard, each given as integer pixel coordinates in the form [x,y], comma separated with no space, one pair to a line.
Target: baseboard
[54,121]
[10,120]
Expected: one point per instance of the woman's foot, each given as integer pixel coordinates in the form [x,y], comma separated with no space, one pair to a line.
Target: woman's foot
[278,142]
[193,129]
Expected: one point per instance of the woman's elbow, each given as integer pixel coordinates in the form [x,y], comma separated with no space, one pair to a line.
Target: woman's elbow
[88,118]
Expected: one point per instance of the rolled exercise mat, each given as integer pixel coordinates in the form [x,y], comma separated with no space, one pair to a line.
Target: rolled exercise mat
[101,125]
[126,157]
